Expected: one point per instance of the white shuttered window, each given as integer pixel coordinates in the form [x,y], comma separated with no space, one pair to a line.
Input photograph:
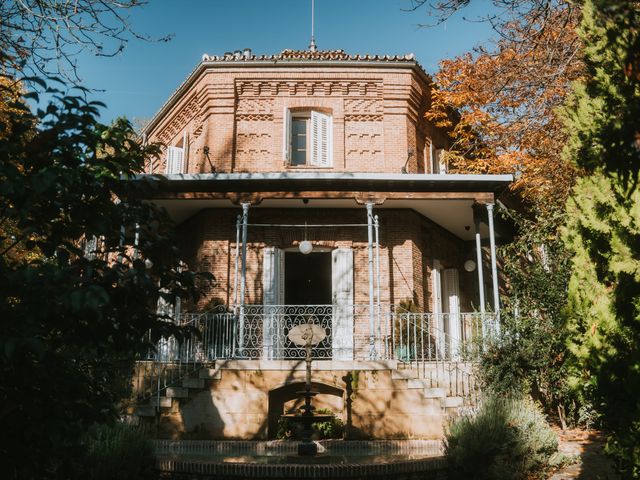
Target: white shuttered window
[307,138]
[175,160]
[321,139]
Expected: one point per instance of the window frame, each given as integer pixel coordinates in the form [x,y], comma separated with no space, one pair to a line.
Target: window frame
[319,124]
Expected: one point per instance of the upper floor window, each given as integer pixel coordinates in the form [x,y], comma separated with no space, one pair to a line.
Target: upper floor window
[308,138]
[177,156]
[175,160]
[440,164]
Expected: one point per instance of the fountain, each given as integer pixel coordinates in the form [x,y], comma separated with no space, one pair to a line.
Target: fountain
[243,460]
[307,335]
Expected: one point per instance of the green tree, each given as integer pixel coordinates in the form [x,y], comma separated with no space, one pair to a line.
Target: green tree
[529,357]
[73,316]
[603,223]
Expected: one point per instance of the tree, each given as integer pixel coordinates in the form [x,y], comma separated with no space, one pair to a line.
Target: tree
[530,357]
[73,316]
[500,104]
[48,35]
[603,223]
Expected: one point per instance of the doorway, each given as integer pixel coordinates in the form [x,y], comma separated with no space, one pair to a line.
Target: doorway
[307,278]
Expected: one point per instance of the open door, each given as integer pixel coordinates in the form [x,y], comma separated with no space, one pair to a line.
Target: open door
[342,293]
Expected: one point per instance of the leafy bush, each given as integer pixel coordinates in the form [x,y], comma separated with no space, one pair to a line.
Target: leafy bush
[119,452]
[508,439]
[530,355]
[330,429]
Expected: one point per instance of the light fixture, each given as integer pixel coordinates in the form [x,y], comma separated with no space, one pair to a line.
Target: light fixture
[305,247]
[469,265]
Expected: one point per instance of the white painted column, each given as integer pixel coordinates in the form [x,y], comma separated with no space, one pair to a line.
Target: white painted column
[494,266]
[237,278]
[479,263]
[243,278]
[376,224]
[372,337]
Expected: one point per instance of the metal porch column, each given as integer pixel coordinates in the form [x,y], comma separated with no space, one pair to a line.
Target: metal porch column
[476,219]
[376,224]
[237,278]
[372,337]
[243,278]
[494,267]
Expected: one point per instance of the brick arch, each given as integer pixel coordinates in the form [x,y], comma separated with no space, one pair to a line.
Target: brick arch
[281,395]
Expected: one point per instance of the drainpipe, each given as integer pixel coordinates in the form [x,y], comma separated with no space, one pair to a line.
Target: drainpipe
[494,267]
[243,279]
[372,345]
[476,219]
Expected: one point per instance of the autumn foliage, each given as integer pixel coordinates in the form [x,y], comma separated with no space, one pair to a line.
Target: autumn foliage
[500,104]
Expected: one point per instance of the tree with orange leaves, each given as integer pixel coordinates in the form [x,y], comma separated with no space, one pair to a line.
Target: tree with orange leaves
[500,103]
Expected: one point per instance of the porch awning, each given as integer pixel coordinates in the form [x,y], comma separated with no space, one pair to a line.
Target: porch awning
[309,182]
[446,199]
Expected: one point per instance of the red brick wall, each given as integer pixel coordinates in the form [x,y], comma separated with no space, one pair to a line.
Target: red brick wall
[238,114]
[408,245]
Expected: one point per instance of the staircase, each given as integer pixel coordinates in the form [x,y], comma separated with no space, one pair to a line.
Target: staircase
[453,383]
[442,390]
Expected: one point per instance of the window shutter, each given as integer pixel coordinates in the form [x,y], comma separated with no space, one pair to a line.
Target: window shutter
[175,160]
[273,276]
[272,297]
[342,285]
[286,135]
[321,139]
[452,300]
[440,162]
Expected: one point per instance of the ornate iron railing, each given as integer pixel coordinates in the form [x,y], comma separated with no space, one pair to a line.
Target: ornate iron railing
[261,332]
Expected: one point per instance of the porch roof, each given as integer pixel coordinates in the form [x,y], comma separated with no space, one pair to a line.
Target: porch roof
[326,182]
[446,199]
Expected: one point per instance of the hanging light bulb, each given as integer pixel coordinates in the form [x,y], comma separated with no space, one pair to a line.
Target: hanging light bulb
[305,246]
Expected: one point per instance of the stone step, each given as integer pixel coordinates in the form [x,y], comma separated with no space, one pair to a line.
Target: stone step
[452,402]
[176,392]
[210,373]
[435,393]
[165,402]
[418,383]
[189,382]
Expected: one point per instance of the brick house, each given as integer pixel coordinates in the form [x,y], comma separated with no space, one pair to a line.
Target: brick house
[311,186]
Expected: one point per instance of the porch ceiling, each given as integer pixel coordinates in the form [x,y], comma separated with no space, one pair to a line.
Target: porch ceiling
[455,215]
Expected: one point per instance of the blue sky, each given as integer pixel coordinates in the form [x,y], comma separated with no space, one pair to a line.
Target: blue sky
[138,81]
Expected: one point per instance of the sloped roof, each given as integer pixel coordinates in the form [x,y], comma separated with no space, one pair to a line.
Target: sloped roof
[317,55]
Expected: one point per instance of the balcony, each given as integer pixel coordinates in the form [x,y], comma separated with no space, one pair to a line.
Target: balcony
[260,332]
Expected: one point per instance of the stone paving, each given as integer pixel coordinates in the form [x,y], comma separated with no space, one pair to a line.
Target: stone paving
[591,462]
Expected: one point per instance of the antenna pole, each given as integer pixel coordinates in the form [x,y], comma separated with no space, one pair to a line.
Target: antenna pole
[312,45]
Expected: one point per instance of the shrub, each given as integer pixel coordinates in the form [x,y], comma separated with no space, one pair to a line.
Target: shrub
[119,452]
[508,439]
